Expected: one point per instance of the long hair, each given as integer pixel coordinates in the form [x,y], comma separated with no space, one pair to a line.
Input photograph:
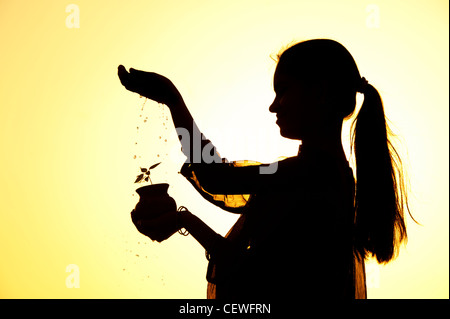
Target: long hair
[380,197]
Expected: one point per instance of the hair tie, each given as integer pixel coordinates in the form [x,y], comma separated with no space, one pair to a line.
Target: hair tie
[363,85]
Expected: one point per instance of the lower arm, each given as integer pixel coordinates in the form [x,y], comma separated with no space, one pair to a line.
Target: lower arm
[185,125]
[199,230]
[192,140]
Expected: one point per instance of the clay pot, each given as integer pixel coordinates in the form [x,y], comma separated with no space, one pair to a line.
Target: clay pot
[154,208]
[154,200]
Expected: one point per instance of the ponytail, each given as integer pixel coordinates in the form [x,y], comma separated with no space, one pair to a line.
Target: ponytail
[380,199]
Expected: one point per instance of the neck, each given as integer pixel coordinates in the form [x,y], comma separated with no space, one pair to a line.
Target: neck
[330,144]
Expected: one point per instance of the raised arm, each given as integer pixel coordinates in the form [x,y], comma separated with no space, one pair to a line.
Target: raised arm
[194,145]
[160,89]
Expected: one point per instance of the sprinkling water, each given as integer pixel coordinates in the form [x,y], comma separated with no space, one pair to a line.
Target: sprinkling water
[151,120]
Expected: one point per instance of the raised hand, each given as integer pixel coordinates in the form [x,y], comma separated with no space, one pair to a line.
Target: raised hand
[151,85]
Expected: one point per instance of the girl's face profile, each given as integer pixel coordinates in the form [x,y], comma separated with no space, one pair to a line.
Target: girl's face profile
[295,105]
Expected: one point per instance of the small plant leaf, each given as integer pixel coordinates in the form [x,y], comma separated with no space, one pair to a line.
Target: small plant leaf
[153,166]
[147,173]
[139,178]
[146,179]
[143,170]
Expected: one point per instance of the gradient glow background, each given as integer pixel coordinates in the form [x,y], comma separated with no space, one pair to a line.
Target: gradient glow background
[68,128]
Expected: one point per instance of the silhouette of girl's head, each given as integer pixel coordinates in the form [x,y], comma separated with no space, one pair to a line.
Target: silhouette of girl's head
[315,84]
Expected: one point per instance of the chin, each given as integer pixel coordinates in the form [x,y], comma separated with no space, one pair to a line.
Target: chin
[289,134]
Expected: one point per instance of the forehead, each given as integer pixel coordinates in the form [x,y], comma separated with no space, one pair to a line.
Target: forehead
[281,78]
[279,75]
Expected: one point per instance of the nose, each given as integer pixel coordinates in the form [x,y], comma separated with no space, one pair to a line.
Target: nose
[273,108]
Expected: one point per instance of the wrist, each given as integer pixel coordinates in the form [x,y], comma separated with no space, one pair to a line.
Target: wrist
[176,102]
[182,220]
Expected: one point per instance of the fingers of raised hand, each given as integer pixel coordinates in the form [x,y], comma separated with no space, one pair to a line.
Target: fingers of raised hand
[123,75]
[132,80]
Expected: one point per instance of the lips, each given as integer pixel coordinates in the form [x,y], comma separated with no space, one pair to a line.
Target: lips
[279,122]
[280,118]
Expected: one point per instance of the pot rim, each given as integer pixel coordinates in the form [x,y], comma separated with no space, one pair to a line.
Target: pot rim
[152,187]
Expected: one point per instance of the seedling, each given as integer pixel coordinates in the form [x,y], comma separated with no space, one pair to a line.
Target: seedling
[145,174]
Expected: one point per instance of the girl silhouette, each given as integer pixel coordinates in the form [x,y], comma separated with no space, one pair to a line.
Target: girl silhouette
[305,224]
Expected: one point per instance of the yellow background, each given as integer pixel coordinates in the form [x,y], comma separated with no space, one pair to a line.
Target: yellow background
[68,128]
